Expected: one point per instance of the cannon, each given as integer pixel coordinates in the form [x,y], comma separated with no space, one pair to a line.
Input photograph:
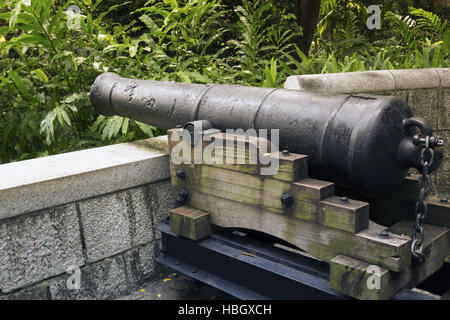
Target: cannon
[361,142]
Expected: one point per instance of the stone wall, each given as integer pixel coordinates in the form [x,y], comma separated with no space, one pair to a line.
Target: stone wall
[427,91]
[90,211]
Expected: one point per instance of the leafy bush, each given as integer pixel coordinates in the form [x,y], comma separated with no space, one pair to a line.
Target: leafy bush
[420,39]
[47,68]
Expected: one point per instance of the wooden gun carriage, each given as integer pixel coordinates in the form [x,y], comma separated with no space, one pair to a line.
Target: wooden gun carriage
[367,260]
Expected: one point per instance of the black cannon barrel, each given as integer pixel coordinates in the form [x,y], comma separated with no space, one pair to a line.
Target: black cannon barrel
[359,142]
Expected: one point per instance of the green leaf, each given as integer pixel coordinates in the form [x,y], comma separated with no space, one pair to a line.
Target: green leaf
[173,4]
[4,30]
[32,39]
[45,12]
[41,75]
[184,77]
[89,24]
[18,81]
[199,77]
[133,50]
[71,98]
[97,3]
[146,128]
[149,23]
[47,126]
[103,14]
[5,15]
[125,125]
[14,14]
[446,39]
[62,116]
[98,123]
[112,127]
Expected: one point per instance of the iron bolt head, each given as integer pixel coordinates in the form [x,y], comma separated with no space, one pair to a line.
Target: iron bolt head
[344,200]
[436,141]
[384,234]
[287,199]
[180,173]
[444,200]
[285,152]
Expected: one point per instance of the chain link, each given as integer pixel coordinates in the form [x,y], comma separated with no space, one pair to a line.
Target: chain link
[421,208]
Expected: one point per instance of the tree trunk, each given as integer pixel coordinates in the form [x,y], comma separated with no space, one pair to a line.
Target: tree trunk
[307,12]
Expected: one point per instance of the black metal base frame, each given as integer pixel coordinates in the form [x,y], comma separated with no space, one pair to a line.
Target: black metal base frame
[249,269]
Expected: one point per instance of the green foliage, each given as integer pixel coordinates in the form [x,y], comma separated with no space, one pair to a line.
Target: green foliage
[49,58]
[419,39]
[181,39]
[261,42]
[46,69]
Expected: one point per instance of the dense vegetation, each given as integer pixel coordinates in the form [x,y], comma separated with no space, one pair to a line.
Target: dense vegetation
[49,61]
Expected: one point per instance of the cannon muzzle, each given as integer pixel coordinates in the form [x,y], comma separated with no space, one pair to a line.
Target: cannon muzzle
[362,142]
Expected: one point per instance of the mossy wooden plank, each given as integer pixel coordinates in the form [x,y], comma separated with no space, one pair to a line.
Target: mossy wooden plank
[400,205]
[245,157]
[292,167]
[265,192]
[241,140]
[436,246]
[171,143]
[354,212]
[243,149]
[405,198]
[184,153]
[320,241]
[312,189]
[349,275]
[358,279]
[190,223]
[438,213]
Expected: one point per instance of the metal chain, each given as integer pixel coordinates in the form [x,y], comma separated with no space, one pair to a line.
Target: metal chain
[421,209]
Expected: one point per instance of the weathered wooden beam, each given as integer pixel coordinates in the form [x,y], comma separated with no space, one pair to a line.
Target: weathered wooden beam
[438,213]
[312,190]
[400,205]
[356,279]
[350,276]
[320,241]
[353,214]
[190,223]
[313,199]
[291,167]
[214,146]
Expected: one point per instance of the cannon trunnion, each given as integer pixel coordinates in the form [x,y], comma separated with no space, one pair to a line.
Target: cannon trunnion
[359,142]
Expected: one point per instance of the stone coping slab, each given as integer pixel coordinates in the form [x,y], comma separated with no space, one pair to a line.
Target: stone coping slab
[31,185]
[371,81]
